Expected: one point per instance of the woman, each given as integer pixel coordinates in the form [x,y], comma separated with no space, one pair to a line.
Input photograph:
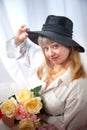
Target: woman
[61,73]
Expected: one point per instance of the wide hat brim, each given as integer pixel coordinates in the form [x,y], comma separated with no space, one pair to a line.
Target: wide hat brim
[65,40]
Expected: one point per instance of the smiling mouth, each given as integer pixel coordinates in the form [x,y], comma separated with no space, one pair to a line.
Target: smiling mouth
[53,58]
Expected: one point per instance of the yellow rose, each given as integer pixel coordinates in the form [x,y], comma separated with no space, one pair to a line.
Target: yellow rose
[26,124]
[8,107]
[34,105]
[24,95]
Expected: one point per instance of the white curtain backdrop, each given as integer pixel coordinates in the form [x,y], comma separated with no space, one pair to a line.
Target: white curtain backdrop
[14,13]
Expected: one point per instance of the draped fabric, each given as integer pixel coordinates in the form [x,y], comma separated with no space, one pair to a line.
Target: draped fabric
[32,13]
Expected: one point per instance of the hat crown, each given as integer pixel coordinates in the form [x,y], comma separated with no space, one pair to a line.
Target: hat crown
[59,24]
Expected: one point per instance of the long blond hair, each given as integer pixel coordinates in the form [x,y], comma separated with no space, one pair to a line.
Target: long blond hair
[77,67]
[74,61]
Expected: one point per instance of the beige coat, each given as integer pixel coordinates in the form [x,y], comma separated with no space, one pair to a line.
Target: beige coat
[66,102]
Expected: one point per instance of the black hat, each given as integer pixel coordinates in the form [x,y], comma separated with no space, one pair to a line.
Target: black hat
[59,29]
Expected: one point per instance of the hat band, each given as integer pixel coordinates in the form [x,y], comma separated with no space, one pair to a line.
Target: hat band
[57,29]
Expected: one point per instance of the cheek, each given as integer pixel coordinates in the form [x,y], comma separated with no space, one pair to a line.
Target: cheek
[46,54]
[65,53]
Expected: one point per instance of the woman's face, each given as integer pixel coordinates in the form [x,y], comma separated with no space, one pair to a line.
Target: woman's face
[55,52]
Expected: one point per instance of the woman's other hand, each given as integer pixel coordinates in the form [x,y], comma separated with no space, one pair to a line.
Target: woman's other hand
[8,121]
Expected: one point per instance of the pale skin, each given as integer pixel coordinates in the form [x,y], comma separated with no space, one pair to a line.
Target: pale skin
[21,35]
[58,55]
[55,52]
[9,122]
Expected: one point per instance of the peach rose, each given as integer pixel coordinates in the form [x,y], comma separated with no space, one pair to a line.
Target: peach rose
[24,95]
[26,124]
[34,105]
[8,107]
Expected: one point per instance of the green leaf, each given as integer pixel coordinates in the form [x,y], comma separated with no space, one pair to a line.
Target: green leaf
[12,96]
[42,122]
[16,121]
[36,90]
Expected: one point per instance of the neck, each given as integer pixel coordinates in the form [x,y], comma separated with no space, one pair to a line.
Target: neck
[62,67]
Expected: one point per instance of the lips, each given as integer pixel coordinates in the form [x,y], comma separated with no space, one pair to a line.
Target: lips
[53,58]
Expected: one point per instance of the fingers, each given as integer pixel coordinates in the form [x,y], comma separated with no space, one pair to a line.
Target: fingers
[20,38]
[8,121]
[21,35]
[23,28]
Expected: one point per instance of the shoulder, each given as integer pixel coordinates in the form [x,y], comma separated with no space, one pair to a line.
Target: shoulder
[81,82]
[79,87]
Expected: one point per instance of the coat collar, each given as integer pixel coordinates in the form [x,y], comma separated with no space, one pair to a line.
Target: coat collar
[64,79]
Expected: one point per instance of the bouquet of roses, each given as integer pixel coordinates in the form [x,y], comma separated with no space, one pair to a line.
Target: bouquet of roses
[25,107]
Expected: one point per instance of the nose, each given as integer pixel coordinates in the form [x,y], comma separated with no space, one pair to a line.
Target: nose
[51,52]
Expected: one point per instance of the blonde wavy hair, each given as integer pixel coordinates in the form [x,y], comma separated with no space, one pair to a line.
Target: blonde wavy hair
[74,61]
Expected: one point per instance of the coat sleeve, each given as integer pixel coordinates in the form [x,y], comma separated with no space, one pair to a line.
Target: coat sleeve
[27,52]
[14,51]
